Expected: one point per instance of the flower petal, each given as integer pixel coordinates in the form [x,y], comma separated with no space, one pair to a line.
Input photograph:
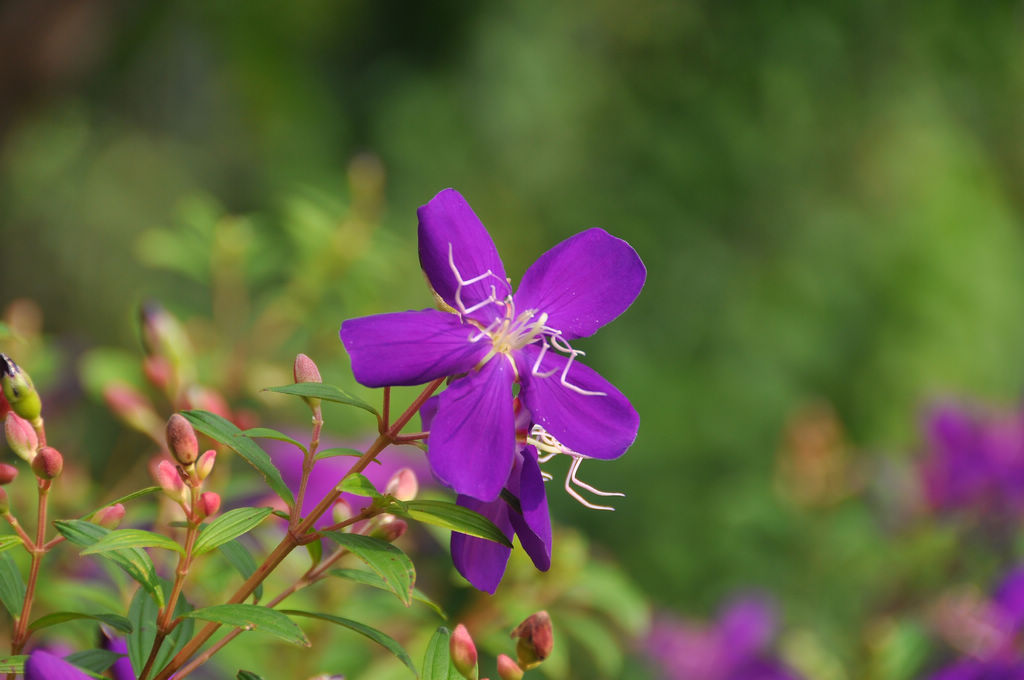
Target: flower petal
[410,348]
[534,526]
[582,283]
[480,561]
[594,425]
[45,666]
[472,438]
[450,234]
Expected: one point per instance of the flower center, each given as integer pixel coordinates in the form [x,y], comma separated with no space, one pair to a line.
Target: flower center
[511,332]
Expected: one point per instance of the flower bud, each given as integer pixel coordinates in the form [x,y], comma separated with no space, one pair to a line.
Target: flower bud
[463,652]
[305,370]
[535,640]
[164,336]
[508,669]
[8,473]
[181,440]
[208,399]
[168,479]
[390,529]
[109,516]
[132,408]
[342,511]
[48,463]
[209,504]
[18,389]
[159,371]
[205,464]
[21,436]
[403,485]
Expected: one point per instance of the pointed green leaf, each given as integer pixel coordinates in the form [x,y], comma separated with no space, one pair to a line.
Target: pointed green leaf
[390,563]
[454,517]
[247,675]
[253,617]
[341,451]
[325,392]
[371,579]
[8,542]
[93,660]
[242,560]
[267,433]
[13,664]
[437,661]
[358,485]
[229,526]
[134,561]
[316,551]
[115,621]
[228,434]
[142,613]
[382,639]
[123,499]
[120,539]
[12,586]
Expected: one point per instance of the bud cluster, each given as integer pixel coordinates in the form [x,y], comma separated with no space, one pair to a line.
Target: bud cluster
[182,479]
[23,425]
[534,644]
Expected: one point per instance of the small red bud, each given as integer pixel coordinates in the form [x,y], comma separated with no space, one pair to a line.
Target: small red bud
[205,464]
[109,516]
[463,652]
[305,370]
[508,669]
[390,530]
[209,504]
[167,478]
[21,436]
[48,463]
[7,473]
[181,440]
[535,640]
[403,485]
[342,511]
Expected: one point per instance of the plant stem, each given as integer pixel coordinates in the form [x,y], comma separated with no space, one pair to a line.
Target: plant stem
[307,467]
[292,539]
[21,627]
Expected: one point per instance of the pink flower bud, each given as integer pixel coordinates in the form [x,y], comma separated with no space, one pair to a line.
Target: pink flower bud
[167,478]
[109,516]
[181,440]
[305,370]
[159,371]
[21,436]
[48,463]
[208,400]
[403,485]
[132,408]
[463,652]
[342,511]
[535,640]
[391,529]
[508,669]
[7,473]
[204,466]
[209,504]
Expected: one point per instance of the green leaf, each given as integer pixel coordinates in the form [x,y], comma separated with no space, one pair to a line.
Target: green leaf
[247,675]
[437,661]
[359,485]
[133,561]
[93,660]
[228,434]
[12,587]
[316,551]
[120,539]
[454,517]
[8,542]
[371,579]
[325,392]
[123,499]
[390,563]
[242,560]
[341,451]
[115,621]
[143,612]
[253,617]
[267,433]
[382,639]
[13,664]
[229,526]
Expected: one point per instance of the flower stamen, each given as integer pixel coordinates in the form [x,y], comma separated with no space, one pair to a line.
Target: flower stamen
[460,305]
[542,440]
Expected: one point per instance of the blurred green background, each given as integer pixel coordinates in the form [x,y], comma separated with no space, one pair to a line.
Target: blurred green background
[828,199]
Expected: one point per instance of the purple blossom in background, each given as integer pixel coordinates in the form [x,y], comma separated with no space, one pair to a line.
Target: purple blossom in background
[493,339]
[736,647]
[122,668]
[42,665]
[973,462]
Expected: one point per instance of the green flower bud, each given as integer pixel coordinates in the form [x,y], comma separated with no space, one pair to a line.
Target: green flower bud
[18,389]
[535,640]
[463,652]
[21,436]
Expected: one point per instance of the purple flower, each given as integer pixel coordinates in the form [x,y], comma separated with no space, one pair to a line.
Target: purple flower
[736,647]
[122,668]
[494,339]
[45,666]
[981,670]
